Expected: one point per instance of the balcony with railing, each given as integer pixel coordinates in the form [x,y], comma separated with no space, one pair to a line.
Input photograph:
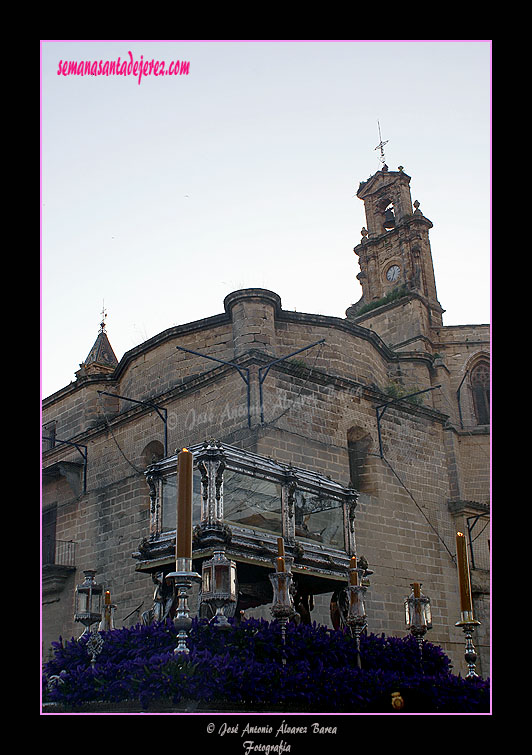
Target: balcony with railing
[58,562]
[59,552]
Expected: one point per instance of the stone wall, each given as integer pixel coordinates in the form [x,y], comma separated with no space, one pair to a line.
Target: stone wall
[311,404]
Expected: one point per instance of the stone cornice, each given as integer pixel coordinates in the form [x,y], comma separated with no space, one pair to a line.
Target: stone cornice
[345,325]
[369,241]
[168,335]
[462,507]
[54,577]
[381,179]
[401,301]
[318,377]
[75,386]
[338,323]
[129,356]
[253,294]
[213,322]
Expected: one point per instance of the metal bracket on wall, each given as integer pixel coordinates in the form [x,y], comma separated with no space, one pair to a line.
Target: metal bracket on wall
[394,401]
[263,372]
[470,528]
[78,447]
[161,411]
[242,371]
[459,399]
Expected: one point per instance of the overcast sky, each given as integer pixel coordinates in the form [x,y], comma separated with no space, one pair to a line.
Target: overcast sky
[161,197]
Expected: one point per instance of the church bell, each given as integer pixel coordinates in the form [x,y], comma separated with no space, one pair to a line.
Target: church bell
[389,219]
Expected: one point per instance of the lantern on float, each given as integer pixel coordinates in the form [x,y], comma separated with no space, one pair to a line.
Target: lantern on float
[88,601]
[418,613]
[218,586]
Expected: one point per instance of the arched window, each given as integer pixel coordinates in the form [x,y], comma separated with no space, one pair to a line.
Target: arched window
[152,453]
[480,387]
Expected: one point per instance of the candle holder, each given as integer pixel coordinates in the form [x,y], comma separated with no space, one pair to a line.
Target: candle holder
[108,621]
[356,618]
[183,578]
[354,614]
[218,588]
[94,646]
[282,608]
[418,614]
[468,624]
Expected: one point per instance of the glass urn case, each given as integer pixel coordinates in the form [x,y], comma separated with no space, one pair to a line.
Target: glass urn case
[242,503]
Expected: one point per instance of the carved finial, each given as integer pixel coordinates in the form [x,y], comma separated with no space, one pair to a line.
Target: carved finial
[417,210]
[364,232]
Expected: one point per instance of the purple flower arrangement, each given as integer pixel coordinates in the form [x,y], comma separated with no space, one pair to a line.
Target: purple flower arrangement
[243,667]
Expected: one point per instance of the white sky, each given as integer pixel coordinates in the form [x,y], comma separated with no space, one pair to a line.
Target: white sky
[160,198]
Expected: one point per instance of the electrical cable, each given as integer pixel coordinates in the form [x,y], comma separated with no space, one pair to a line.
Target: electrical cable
[138,471]
[288,408]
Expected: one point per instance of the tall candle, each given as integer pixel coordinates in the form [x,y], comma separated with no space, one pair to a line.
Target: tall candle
[464,578]
[353,575]
[417,618]
[184,504]
[280,554]
[107,598]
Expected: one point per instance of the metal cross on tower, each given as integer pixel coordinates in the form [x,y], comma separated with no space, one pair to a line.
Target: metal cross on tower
[381,145]
[104,315]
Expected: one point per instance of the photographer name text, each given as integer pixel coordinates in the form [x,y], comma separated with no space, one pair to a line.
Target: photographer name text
[251,746]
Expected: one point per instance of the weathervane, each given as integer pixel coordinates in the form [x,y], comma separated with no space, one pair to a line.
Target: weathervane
[381,145]
[104,315]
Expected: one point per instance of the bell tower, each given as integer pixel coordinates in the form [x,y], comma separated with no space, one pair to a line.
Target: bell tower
[394,253]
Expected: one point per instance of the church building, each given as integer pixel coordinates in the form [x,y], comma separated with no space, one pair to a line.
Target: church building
[366,435]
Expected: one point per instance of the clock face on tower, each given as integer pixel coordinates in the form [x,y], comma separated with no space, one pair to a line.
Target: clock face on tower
[392,274]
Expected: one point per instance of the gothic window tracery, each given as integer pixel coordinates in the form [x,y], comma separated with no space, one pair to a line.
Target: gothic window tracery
[480,388]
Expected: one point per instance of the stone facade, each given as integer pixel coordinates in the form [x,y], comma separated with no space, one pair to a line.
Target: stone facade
[421,466]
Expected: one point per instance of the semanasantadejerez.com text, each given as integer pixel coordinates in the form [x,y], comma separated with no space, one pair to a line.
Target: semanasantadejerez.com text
[118,67]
